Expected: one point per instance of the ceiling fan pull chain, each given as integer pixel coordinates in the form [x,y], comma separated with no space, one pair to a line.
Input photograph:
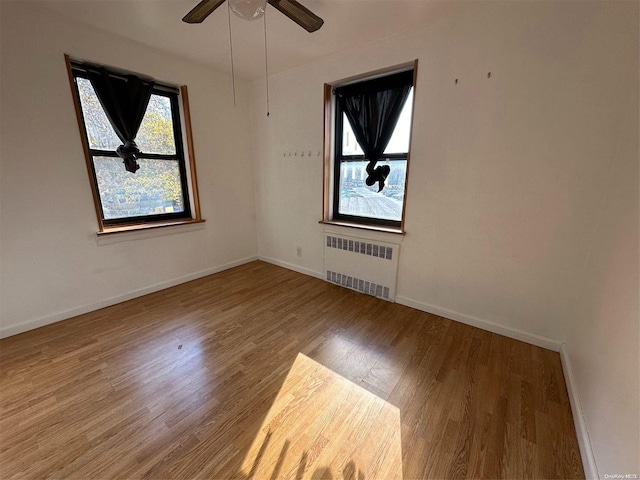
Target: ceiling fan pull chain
[233,73]
[266,62]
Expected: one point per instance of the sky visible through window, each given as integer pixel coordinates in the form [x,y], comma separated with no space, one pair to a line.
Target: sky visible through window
[399,142]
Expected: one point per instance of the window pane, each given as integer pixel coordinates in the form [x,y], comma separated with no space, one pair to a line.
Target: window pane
[399,142]
[356,198]
[156,131]
[152,190]
[100,133]
[350,145]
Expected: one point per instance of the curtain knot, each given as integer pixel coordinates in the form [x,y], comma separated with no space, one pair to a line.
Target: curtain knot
[379,174]
[129,152]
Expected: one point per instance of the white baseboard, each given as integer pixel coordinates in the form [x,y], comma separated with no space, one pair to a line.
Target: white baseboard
[537,340]
[291,266]
[586,451]
[483,324]
[59,316]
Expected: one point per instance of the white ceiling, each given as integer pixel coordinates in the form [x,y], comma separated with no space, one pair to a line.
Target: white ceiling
[158,23]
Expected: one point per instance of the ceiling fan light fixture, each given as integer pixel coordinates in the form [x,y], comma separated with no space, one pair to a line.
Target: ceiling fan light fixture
[248,9]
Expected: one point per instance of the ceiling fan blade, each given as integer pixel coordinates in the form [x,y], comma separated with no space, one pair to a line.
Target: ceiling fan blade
[299,14]
[202,11]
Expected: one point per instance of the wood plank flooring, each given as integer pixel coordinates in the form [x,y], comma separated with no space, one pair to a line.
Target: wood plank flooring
[322,424]
[260,372]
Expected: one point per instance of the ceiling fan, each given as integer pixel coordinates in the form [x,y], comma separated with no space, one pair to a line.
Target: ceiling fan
[291,8]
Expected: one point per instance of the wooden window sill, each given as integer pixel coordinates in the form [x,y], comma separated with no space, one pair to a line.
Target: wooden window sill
[148,226]
[362,226]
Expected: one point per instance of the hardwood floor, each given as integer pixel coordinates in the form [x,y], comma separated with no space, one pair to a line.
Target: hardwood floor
[266,373]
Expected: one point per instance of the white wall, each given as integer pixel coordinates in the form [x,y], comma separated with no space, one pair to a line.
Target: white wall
[52,264]
[516,183]
[523,197]
[603,333]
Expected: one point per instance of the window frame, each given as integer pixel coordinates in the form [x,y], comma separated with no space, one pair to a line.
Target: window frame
[180,116]
[334,158]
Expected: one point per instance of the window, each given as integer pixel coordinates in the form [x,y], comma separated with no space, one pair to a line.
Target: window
[357,191]
[158,192]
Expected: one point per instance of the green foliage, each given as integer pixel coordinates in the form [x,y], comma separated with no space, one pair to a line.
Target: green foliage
[100,133]
[155,188]
[156,131]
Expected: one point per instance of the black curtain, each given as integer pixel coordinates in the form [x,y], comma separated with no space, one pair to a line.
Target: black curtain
[124,99]
[373,108]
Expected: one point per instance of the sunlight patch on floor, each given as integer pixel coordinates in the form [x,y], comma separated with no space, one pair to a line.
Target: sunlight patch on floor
[321,425]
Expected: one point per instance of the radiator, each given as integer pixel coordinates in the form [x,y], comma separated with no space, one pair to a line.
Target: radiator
[366,266]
